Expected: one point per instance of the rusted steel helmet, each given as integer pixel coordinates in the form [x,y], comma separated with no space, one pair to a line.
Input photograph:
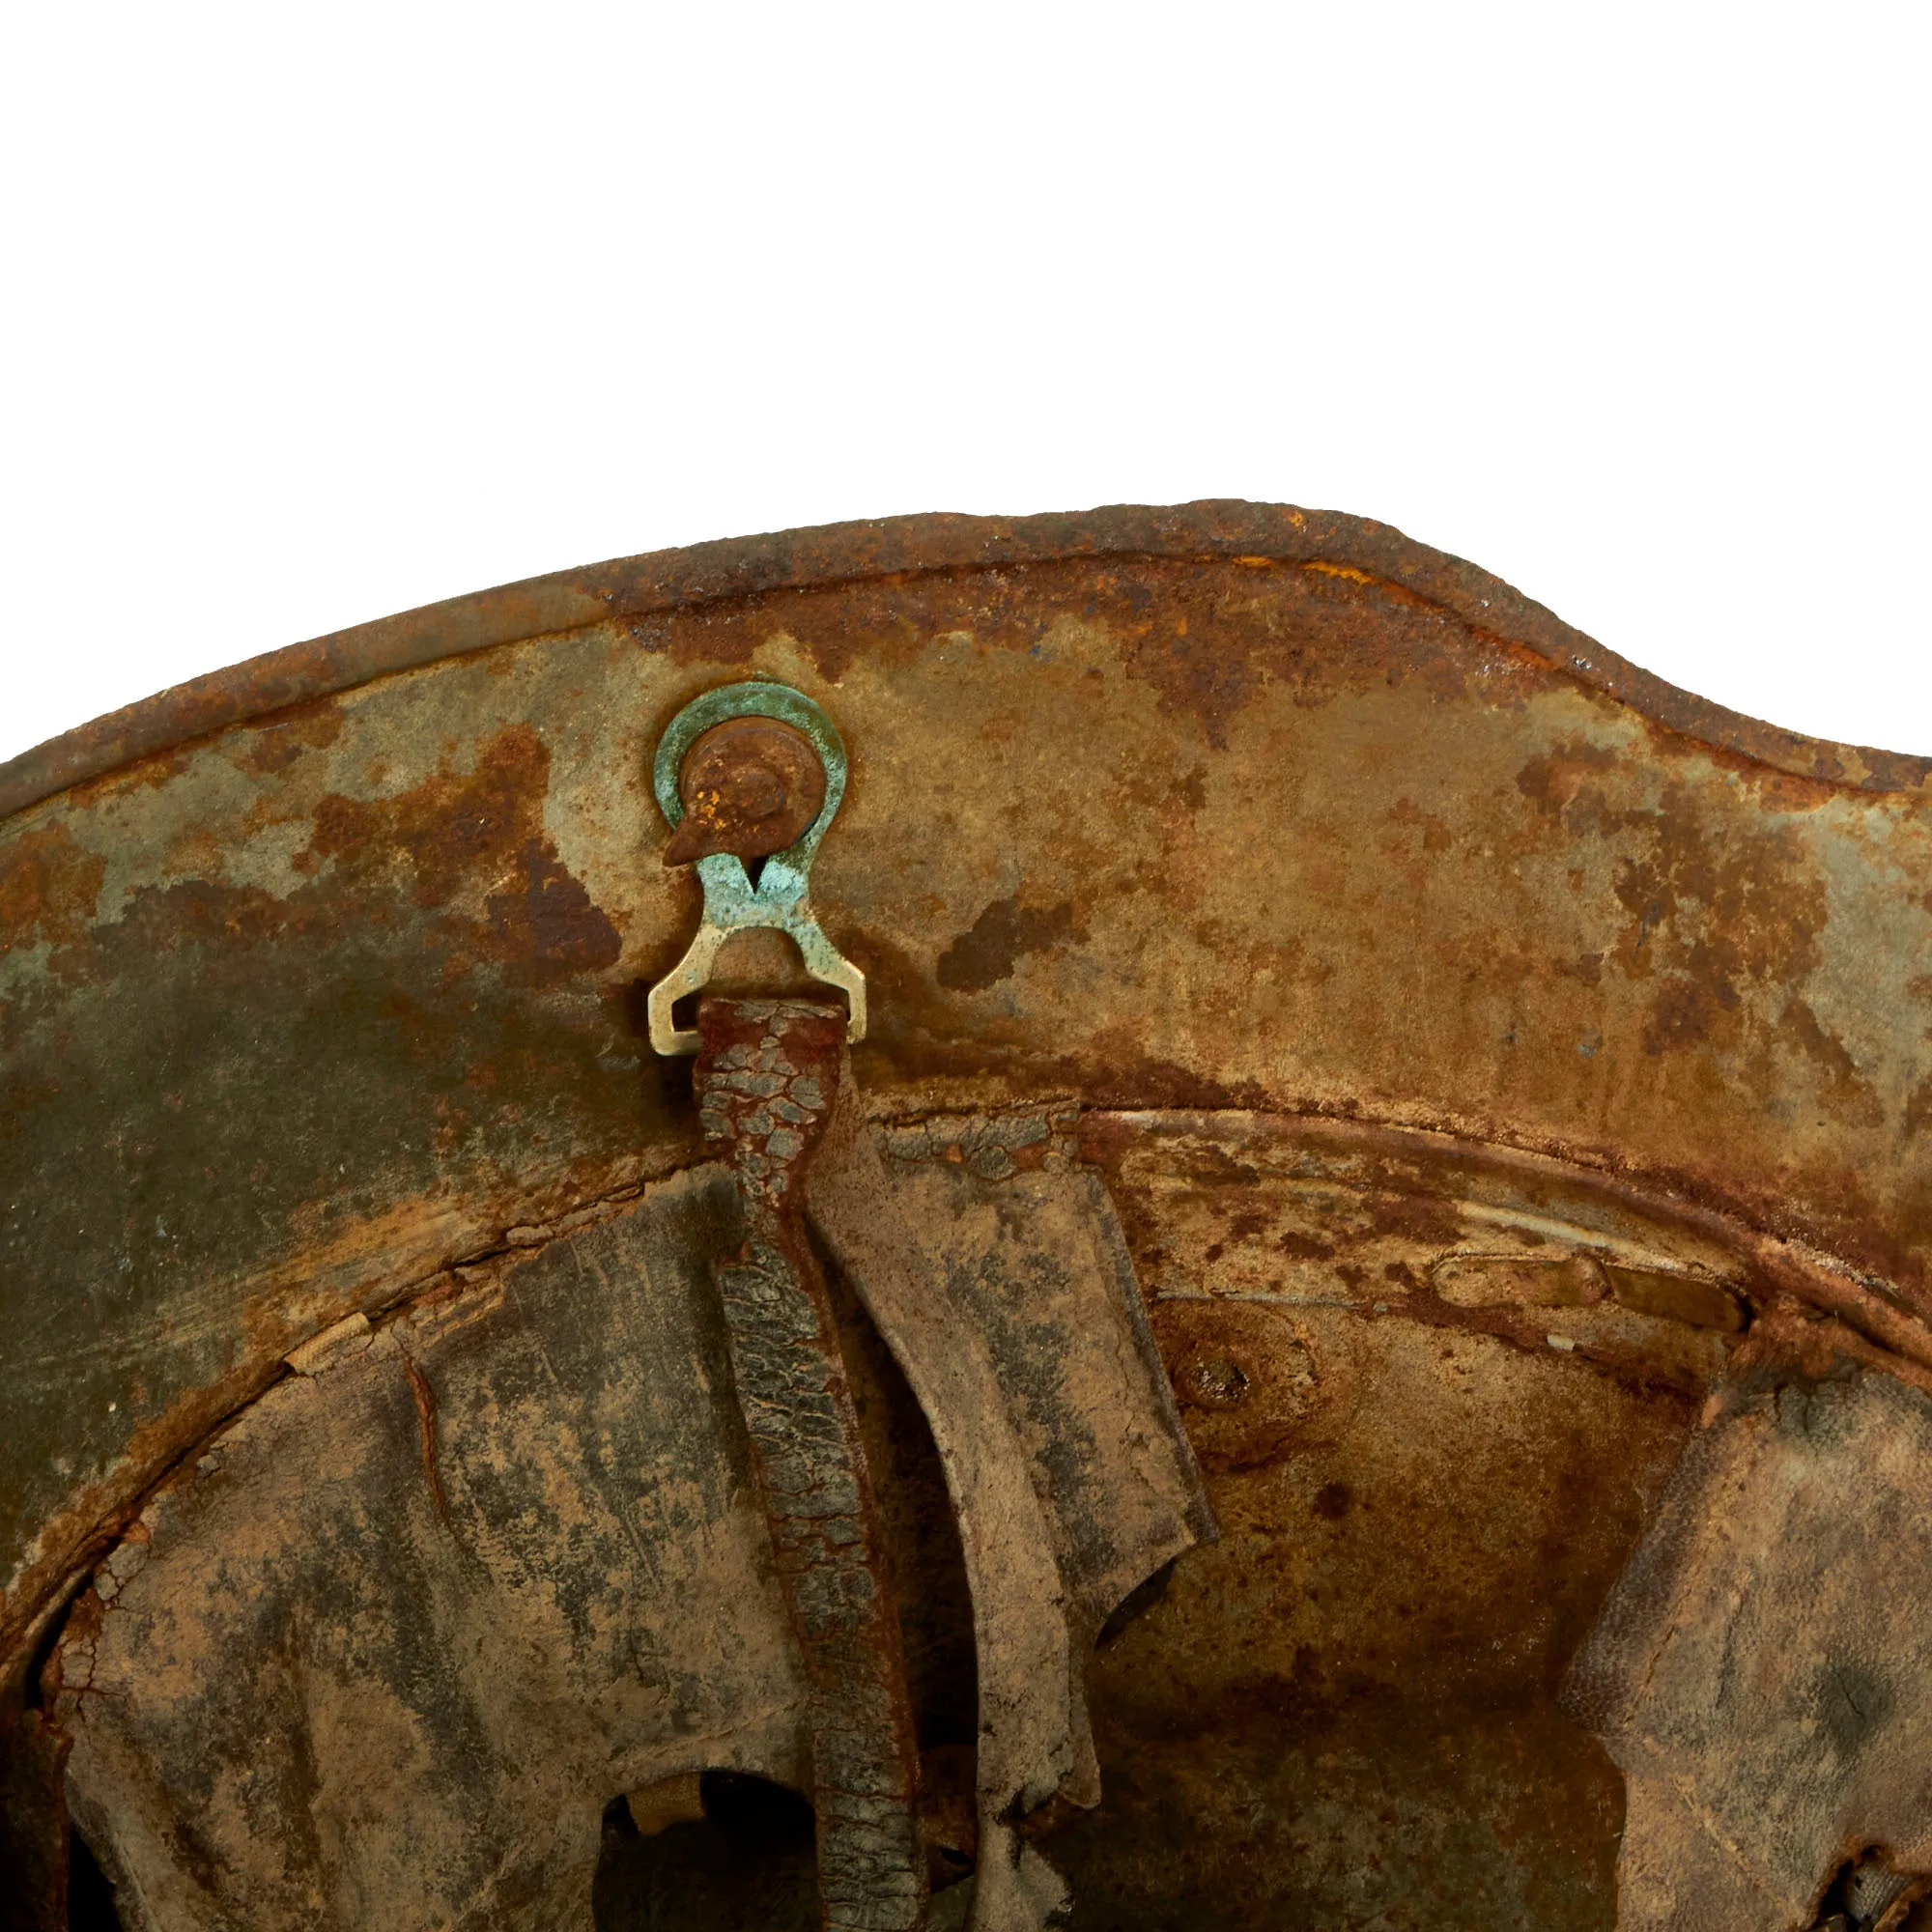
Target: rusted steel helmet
[1240,1241]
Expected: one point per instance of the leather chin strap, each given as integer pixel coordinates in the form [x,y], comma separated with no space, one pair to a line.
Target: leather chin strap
[1017,1323]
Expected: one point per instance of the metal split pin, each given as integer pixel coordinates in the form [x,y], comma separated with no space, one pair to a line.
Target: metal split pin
[750,771]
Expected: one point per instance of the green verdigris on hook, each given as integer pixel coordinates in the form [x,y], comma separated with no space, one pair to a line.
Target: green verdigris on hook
[733,901]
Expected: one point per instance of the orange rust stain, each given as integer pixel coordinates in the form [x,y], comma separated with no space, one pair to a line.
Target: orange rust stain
[1713,917]
[148,774]
[454,833]
[1724,921]
[442,833]
[1713,921]
[49,886]
[1247,1380]
[200,851]
[1347,572]
[1554,780]
[271,745]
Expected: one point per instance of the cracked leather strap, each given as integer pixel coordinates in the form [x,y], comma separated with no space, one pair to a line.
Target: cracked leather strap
[766,1078]
[1033,1741]
[1015,1317]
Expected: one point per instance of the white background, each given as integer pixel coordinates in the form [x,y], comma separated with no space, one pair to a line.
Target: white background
[313,313]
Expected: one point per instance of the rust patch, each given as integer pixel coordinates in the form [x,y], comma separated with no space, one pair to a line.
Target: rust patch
[1714,924]
[453,830]
[440,834]
[1554,780]
[551,919]
[1004,934]
[1383,1163]
[124,780]
[49,886]
[273,744]
[1377,1639]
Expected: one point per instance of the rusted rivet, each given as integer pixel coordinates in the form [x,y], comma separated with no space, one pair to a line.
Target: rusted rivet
[1213,1380]
[750,786]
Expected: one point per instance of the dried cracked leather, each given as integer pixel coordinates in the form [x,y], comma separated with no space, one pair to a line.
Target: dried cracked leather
[1484,1048]
[542,1482]
[1774,1619]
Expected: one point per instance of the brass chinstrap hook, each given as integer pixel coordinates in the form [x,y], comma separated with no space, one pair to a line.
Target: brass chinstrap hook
[749,771]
